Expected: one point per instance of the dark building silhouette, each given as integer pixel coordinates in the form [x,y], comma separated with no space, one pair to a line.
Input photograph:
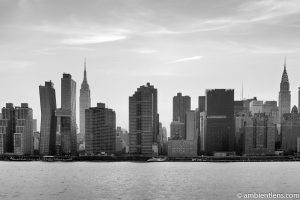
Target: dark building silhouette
[48,119]
[66,116]
[100,129]
[84,103]
[143,120]
[7,129]
[284,94]
[181,104]
[219,121]
[16,130]
[201,103]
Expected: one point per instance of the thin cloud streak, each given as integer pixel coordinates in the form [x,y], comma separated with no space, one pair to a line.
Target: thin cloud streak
[93,39]
[186,59]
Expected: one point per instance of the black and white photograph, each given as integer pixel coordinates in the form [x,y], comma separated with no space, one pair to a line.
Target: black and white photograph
[149,99]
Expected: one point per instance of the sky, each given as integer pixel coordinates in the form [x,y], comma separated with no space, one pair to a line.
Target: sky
[178,46]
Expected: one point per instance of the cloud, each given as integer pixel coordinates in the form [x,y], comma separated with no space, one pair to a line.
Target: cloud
[92,39]
[84,34]
[186,59]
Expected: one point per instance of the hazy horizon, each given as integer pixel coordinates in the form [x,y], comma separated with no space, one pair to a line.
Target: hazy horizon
[177,46]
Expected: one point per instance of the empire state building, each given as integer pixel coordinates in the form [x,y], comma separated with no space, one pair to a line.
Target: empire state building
[284,94]
[84,103]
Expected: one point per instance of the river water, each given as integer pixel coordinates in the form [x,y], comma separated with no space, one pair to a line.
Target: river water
[134,180]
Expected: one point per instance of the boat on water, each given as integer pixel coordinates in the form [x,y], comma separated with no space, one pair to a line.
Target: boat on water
[53,159]
[48,158]
[157,159]
[19,159]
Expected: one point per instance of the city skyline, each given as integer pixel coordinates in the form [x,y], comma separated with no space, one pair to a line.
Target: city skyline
[144,42]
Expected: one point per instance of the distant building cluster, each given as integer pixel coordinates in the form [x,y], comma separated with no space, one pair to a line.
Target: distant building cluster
[219,125]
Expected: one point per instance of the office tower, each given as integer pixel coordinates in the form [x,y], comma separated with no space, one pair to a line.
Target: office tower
[34,125]
[36,142]
[177,130]
[299,98]
[66,116]
[181,104]
[259,135]
[202,132]
[238,107]
[199,110]
[48,119]
[100,130]
[143,120]
[190,125]
[284,94]
[290,131]
[220,120]
[84,103]
[7,129]
[188,146]
[201,103]
[23,136]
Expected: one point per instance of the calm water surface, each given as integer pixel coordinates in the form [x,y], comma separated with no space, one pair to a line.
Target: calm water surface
[130,180]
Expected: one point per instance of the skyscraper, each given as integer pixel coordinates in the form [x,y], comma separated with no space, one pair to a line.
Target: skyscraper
[48,119]
[284,95]
[220,120]
[181,104]
[66,116]
[84,102]
[100,130]
[16,131]
[143,120]
[190,125]
[7,129]
[259,135]
[23,136]
[201,103]
[298,97]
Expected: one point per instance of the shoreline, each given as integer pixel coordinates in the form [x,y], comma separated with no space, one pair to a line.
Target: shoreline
[144,158]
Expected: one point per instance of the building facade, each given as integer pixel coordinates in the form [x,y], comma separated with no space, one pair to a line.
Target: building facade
[84,103]
[100,130]
[66,116]
[7,129]
[177,130]
[259,135]
[143,120]
[290,131]
[284,95]
[219,136]
[181,104]
[190,125]
[48,119]
[16,130]
[182,148]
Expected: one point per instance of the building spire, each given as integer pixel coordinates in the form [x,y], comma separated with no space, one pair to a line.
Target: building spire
[84,77]
[284,74]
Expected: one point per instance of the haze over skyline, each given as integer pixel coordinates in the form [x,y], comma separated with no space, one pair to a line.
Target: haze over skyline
[177,46]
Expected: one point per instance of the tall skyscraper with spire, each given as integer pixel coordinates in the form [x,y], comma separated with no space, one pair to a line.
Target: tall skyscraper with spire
[284,94]
[84,103]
